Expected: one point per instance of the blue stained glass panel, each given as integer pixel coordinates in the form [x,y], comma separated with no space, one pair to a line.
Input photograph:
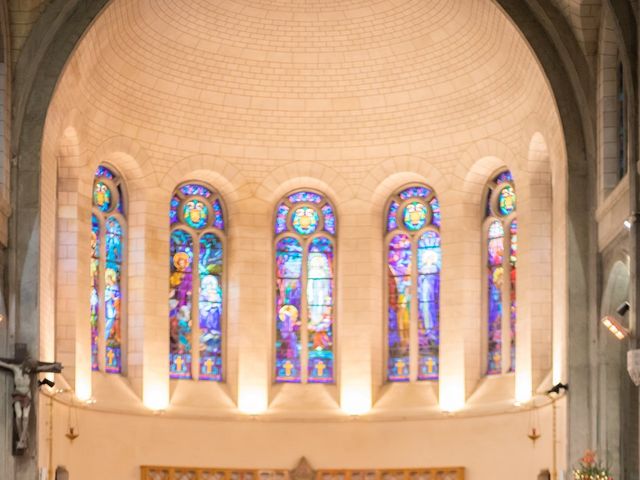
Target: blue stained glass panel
[173,210]
[210,307]
[94,301]
[320,306]
[415,192]
[513,260]
[218,217]
[329,219]
[495,278]
[103,171]
[288,310]
[306,197]
[504,177]
[113,244]
[281,218]
[195,189]
[113,295]
[399,291]
[392,221]
[180,294]
[113,316]
[435,212]
[429,266]
[120,200]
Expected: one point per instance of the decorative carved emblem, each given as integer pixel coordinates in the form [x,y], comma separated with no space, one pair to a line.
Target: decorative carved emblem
[303,471]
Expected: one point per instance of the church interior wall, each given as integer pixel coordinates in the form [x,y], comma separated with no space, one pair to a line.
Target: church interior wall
[357,171]
[116,445]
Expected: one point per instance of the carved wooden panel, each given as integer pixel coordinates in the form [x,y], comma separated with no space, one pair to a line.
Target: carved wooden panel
[186,473]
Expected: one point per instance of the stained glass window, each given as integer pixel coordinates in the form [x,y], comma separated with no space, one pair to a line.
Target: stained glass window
[414,261]
[501,254]
[196,283]
[108,224]
[305,226]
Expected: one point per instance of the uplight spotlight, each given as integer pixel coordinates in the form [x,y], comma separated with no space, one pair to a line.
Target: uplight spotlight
[615,327]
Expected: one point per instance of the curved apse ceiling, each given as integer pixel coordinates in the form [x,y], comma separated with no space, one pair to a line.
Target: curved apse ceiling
[275,80]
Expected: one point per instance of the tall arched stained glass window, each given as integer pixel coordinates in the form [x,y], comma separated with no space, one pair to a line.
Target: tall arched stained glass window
[108,224]
[305,229]
[501,244]
[196,283]
[414,261]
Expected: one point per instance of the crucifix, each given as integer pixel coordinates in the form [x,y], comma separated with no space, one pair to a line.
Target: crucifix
[25,370]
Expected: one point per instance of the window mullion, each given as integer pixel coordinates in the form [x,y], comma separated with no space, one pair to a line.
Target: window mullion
[304,333]
[413,314]
[506,300]
[102,265]
[195,310]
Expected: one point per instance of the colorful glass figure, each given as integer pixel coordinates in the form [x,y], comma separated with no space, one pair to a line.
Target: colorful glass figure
[501,251]
[195,213]
[305,220]
[495,277]
[298,217]
[288,308]
[196,242]
[94,301]
[513,260]
[320,310]
[414,218]
[102,196]
[107,247]
[507,200]
[429,265]
[210,307]
[180,295]
[399,291]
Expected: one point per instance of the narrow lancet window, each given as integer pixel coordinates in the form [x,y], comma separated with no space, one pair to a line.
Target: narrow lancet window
[413,264]
[196,283]
[501,233]
[108,224]
[305,229]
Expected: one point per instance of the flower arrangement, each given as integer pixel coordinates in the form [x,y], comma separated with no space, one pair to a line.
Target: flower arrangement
[590,469]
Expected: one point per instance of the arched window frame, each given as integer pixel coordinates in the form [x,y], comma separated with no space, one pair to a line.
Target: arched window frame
[216,224]
[494,359]
[422,365]
[284,228]
[107,356]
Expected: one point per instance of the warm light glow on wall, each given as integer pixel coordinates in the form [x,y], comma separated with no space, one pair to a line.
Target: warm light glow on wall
[523,385]
[451,395]
[355,401]
[83,387]
[156,397]
[252,400]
